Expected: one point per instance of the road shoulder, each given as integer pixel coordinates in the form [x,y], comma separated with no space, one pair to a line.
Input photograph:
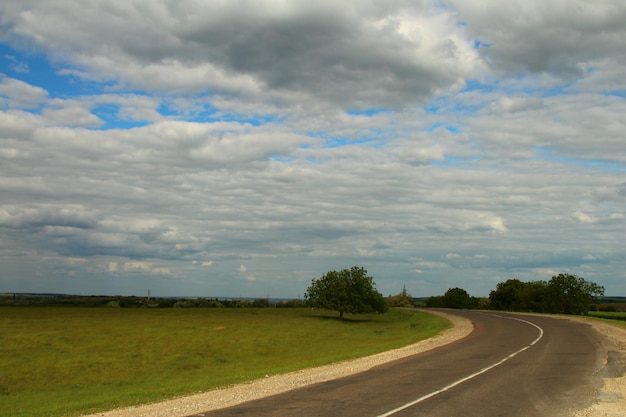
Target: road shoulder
[611,399]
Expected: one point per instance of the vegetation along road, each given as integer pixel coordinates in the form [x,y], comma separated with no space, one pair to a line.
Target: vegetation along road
[511,364]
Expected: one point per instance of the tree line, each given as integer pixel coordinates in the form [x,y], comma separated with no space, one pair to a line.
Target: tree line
[120,301]
[353,291]
[563,294]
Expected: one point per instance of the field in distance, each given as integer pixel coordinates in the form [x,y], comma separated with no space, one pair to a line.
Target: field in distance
[59,361]
[610,315]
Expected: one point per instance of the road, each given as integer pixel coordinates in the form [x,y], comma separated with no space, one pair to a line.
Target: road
[511,365]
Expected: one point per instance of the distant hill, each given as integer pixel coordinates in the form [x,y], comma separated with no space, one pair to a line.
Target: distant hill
[612,300]
[73,300]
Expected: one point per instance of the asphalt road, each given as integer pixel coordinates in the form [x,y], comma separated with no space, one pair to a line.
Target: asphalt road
[511,365]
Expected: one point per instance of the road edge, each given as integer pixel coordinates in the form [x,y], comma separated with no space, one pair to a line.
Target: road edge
[611,398]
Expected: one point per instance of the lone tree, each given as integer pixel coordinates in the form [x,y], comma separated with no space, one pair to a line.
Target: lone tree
[346,291]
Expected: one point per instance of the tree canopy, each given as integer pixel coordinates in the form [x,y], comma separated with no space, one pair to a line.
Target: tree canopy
[457,298]
[564,293]
[346,291]
[454,298]
[569,294]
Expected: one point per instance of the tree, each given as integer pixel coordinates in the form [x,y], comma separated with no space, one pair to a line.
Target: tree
[569,294]
[346,291]
[533,296]
[515,295]
[564,293]
[457,298]
[436,301]
[507,295]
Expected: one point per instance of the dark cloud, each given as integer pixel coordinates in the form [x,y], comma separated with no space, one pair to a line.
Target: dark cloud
[354,57]
[559,37]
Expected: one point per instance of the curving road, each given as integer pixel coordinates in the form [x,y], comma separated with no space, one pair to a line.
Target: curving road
[511,365]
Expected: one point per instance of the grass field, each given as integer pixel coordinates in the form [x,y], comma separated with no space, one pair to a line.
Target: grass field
[73,361]
[611,315]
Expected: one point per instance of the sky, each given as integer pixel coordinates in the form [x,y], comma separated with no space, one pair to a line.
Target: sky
[243,148]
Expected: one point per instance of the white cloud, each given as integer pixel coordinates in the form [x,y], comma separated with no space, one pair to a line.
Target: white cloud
[300,137]
[137,266]
[71,215]
[18,94]
[71,115]
[245,147]
[515,104]
[583,217]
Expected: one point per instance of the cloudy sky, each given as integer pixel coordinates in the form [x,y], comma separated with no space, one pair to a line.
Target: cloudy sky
[242,148]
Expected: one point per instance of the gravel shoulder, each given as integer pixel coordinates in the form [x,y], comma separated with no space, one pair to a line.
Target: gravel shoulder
[610,401]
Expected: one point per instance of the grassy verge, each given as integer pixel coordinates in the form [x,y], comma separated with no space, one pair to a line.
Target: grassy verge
[72,361]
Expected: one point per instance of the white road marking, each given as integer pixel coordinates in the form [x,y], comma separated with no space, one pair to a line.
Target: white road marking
[467,378]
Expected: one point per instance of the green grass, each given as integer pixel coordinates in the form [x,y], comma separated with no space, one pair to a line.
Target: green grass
[72,361]
[610,315]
